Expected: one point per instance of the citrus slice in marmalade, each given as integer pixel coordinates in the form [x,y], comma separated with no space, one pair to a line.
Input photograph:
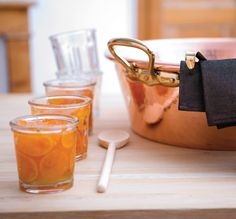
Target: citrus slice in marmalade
[68,139]
[86,93]
[81,113]
[27,168]
[54,167]
[62,101]
[33,144]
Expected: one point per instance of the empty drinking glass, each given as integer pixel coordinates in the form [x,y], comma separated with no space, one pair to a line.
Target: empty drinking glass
[76,57]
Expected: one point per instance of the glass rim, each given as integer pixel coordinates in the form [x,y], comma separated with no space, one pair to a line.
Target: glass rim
[72,123]
[86,101]
[62,84]
[71,33]
[73,72]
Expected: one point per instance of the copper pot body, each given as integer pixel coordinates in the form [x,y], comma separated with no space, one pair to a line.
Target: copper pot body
[153,110]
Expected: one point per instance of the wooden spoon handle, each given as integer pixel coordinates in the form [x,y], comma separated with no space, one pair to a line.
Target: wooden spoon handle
[107,166]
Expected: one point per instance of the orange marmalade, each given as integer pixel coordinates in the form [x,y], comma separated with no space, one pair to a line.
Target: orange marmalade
[76,106]
[45,152]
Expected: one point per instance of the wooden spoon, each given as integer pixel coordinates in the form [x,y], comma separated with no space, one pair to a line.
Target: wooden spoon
[111,140]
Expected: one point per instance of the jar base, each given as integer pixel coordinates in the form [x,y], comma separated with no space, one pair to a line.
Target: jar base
[81,156]
[46,189]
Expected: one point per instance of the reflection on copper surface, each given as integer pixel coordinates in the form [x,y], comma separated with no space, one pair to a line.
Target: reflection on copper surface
[153,110]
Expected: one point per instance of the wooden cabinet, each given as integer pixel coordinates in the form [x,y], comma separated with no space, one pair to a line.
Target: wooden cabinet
[186,18]
[14,31]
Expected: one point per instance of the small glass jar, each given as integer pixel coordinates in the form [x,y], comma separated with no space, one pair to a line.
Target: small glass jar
[75,87]
[76,106]
[45,152]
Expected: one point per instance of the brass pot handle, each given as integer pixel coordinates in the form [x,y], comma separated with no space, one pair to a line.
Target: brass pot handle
[128,42]
[149,76]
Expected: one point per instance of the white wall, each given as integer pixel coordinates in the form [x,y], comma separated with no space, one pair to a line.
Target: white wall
[111,18]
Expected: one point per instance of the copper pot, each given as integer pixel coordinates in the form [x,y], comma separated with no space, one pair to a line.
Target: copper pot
[151,91]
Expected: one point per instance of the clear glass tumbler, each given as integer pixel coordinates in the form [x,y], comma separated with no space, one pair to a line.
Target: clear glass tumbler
[76,106]
[76,52]
[73,87]
[76,56]
[45,152]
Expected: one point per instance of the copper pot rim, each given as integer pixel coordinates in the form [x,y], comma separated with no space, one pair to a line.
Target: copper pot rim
[167,63]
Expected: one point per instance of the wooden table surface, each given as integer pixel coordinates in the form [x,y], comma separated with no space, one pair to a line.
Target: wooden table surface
[148,180]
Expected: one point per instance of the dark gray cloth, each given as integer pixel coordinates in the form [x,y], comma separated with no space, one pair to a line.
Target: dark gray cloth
[219,85]
[210,87]
[190,89]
